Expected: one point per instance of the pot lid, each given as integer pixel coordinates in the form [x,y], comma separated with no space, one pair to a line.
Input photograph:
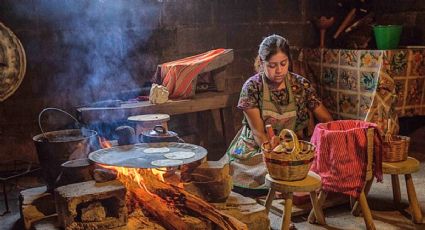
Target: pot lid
[149,155]
[159,131]
[12,62]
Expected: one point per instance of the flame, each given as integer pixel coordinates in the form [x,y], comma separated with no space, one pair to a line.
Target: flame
[159,173]
[104,143]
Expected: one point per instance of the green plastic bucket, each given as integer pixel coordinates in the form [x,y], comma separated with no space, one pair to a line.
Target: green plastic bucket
[387,36]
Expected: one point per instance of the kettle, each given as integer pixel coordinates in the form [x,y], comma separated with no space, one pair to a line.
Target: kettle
[159,134]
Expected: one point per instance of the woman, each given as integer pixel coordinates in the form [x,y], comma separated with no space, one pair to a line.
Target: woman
[273,96]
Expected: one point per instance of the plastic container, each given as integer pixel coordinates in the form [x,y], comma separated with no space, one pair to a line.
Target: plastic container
[387,36]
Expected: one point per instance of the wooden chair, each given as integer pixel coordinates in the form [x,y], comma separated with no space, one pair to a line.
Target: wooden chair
[310,184]
[406,168]
[361,201]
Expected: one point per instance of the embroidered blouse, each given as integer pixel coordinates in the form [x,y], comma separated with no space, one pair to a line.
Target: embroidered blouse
[252,93]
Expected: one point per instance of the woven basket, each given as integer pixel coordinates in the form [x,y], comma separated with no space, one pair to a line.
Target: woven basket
[293,162]
[395,148]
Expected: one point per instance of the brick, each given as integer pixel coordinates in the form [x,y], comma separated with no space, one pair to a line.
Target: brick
[35,204]
[236,12]
[91,205]
[278,10]
[192,39]
[191,12]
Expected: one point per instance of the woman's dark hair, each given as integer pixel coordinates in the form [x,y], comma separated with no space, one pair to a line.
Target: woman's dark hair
[270,46]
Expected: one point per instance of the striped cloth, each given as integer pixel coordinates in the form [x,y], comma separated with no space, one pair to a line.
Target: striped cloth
[178,75]
[341,157]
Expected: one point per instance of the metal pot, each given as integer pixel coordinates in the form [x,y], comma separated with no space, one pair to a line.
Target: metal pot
[56,147]
[158,134]
[75,171]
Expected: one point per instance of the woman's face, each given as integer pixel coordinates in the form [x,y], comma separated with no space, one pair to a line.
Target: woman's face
[276,67]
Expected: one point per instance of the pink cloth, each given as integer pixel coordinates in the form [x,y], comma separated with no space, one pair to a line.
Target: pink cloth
[341,156]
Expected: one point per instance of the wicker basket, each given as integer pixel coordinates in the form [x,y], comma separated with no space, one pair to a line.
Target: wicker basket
[395,148]
[293,162]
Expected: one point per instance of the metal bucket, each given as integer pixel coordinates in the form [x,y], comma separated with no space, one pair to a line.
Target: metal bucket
[56,147]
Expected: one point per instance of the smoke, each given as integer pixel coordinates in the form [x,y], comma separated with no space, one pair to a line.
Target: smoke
[93,48]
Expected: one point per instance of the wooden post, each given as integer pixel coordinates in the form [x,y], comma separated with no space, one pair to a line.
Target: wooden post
[317,208]
[396,190]
[413,200]
[367,215]
[286,220]
[269,199]
[322,198]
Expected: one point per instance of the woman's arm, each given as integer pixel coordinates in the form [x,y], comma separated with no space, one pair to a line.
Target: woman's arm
[256,124]
[322,114]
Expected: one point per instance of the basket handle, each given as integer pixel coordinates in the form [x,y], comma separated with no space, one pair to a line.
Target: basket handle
[282,134]
[56,109]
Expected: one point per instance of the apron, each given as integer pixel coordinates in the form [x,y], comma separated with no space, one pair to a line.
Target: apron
[248,167]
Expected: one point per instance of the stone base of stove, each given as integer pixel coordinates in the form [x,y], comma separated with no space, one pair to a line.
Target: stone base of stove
[243,208]
[36,204]
[246,210]
[90,205]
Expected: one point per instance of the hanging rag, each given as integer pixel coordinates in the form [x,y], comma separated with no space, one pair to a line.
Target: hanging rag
[178,75]
[341,157]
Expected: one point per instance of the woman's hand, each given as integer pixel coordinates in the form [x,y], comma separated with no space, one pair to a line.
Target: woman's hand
[322,114]
[256,124]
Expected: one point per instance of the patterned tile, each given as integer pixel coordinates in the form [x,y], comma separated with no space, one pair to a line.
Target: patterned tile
[368,81]
[330,56]
[414,91]
[349,57]
[365,103]
[397,62]
[329,77]
[399,88]
[417,63]
[348,79]
[330,100]
[348,103]
[370,58]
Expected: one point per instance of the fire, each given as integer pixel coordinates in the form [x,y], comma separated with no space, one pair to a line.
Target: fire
[136,175]
[104,143]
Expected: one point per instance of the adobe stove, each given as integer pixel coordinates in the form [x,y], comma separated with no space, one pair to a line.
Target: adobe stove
[158,185]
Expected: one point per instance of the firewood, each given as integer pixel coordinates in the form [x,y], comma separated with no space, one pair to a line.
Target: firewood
[167,202]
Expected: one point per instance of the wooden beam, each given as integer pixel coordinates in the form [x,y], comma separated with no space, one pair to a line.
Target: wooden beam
[201,102]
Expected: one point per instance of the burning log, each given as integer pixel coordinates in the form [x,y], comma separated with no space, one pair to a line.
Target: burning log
[169,203]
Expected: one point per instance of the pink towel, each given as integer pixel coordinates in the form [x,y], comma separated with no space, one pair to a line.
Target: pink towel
[341,157]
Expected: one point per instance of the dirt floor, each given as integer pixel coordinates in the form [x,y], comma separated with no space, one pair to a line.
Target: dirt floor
[380,201]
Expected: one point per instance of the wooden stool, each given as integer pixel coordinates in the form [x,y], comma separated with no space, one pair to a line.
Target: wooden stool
[407,167]
[310,184]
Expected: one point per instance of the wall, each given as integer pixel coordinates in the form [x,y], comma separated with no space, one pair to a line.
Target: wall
[409,13]
[80,51]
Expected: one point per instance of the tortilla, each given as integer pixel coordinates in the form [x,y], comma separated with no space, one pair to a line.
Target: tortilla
[157,150]
[166,163]
[179,155]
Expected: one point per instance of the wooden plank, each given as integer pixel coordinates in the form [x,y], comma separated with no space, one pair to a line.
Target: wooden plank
[220,61]
[201,102]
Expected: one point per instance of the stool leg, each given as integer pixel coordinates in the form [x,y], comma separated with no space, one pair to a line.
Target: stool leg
[396,190]
[367,215]
[321,201]
[317,208]
[355,211]
[413,200]
[269,199]
[286,220]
